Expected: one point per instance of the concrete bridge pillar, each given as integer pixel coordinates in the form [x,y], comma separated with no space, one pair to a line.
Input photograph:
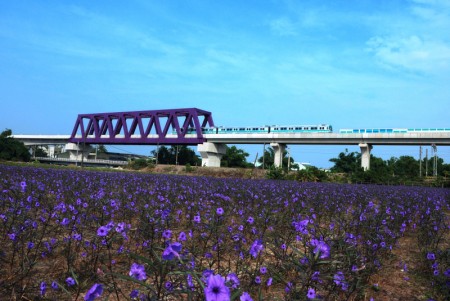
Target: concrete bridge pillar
[365,155]
[78,151]
[211,153]
[278,149]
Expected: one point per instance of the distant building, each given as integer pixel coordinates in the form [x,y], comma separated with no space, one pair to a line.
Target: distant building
[301,165]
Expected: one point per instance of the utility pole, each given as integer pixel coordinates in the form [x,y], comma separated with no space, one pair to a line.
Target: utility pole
[420,161]
[264,156]
[289,159]
[434,160]
[176,156]
[76,159]
[426,162]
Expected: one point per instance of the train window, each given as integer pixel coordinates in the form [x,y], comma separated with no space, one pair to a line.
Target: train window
[376,131]
[368,131]
[283,128]
[389,130]
[291,129]
[314,128]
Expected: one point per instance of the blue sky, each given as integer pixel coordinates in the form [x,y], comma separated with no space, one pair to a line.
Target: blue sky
[347,63]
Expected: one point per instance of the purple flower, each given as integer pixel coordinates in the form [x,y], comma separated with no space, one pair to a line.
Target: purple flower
[269,281]
[55,285]
[219,211]
[431,256]
[311,293]
[197,218]
[172,251]
[169,286]
[315,277]
[190,282]
[258,280]
[256,248]
[182,236]
[138,271]
[233,278]
[216,290]
[339,279]
[263,270]
[120,227]
[134,294]
[288,287]
[320,248]
[23,185]
[43,287]
[167,234]
[245,297]
[250,220]
[301,226]
[95,291]
[102,231]
[70,281]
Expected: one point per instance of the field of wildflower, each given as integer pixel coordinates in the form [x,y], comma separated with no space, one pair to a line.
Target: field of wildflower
[86,235]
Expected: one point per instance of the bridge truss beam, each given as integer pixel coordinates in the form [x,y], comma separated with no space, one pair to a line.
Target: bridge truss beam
[157,127]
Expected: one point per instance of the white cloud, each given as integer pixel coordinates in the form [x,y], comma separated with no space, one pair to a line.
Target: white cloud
[411,53]
[283,27]
[418,41]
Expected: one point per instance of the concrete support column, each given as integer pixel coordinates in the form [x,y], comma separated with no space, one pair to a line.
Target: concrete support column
[77,151]
[278,149]
[211,153]
[51,151]
[365,155]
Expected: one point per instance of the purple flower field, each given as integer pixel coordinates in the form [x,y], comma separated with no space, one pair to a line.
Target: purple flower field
[71,234]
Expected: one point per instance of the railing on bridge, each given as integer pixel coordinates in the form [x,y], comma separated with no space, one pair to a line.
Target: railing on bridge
[165,127]
[85,161]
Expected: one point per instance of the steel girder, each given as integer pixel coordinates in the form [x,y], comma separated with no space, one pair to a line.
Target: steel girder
[157,127]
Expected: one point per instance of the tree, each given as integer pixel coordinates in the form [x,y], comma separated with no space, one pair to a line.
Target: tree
[234,157]
[311,174]
[12,149]
[102,148]
[269,158]
[162,155]
[346,162]
[185,155]
[180,154]
[406,167]
[40,152]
